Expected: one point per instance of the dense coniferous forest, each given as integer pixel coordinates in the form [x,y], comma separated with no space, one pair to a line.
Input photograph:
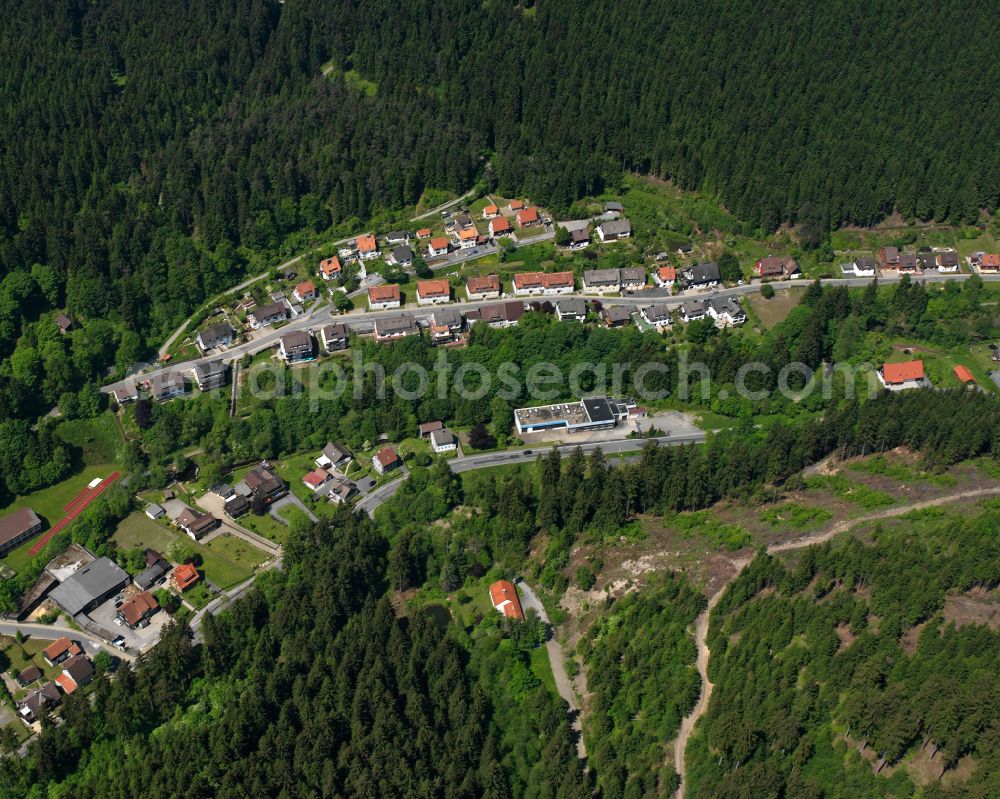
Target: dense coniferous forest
[849,652]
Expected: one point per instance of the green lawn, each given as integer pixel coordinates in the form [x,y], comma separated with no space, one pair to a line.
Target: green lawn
[228,560]
[266,526]
[138,530]
[99,438]
[23,655]
[542,668]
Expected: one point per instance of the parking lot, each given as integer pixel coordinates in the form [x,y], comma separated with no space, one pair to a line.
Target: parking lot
[136,640]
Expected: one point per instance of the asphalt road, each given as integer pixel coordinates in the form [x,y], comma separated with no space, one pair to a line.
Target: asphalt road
[51,632]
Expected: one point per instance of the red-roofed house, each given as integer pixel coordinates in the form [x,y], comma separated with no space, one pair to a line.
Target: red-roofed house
[665,276]
[486,287]
[385,460]
[515,205]
[500,226]
[306,290]
[963,374]
[503,595]
[529,283]
[185,576]
[433,292]
[901,376]
[330,268]
[317,478]
[438,247]
[384,296]
[367,246]
[468,238]
[989,262]
[57,651]
[490,211]
[423,233]
[528,217]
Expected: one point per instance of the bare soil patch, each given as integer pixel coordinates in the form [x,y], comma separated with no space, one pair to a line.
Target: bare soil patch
[973,607]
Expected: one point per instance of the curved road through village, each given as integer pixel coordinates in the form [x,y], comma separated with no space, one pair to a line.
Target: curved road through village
[701,623]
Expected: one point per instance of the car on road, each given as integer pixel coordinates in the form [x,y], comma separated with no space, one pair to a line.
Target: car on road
[119,643]
[527,452]
[119,621]
[475,252]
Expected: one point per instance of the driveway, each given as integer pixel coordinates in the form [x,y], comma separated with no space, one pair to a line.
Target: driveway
[216,505]
[291,499]
[137,640]
[529,599]
[50,632]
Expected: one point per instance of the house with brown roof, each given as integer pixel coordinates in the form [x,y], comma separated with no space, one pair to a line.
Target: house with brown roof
[367,246]
[18,527]
[30,675]
[500,226]
[305,291]
[388,328]
[64,323]
[383,297]
[385,460]
[902,376]
[296,347]
[543,283]
[268,314]
[263,482]
[433,292]
[125,394]
[888,257]
[429,427]
[528,217]
[438,246]
[616,316]
[77,672]
[34,705]
[330,268]
[60,649]
[907,262]
[196,524]
[138,610]
[499,315]
[504,598]
[334,337]
[947,261]
[486,287]
[777,266]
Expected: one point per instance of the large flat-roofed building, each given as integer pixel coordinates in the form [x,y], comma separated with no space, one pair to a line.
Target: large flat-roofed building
[18,527]
[89,586]
[590,413]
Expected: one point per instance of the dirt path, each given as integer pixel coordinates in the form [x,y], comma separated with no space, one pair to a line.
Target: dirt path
[701,623]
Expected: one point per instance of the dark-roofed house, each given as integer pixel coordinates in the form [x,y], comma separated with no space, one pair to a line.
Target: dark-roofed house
[503,314]
[443,440]
[401,256]
[574,308]
[907,262]
[726,312]
[393,327]
[18,527]
[658,316]
[860,267]
[137,611]
[702,275]
[429,427]
[601,280]
[693,310]
[89,586]
[263,482]
[614,230]
[268,315]
[296,347]
[29,675]
[125,394]
[612,207]
[578,239]
[889,257]
[947,261]
[34,705]
[334,337]
[147,578]
[777,266]
[215,336]
[167,386]
[64,323]
[450,318]
[333,455]
[632,278]
[617,316]
[210,375]
[197,525]
[77,671]
[236,506]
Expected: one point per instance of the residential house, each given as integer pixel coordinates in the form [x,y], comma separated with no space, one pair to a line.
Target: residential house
[902,376]
[617,316]
[210,375]
[614,230]
[425,430]
[305,291]
[702,276]
[334,337]
[632,278]
[236,506]
[443,441]
[449,318]
[438,246]
[401,256]
[167,386]
[989,263]
[693,310]
[515,205]
[154,511]
[433,292]
[440,334]
[147,578]
[888,257]
[296,347]
[30,675]
[393,327]
[76,672]
[964,375]
[947,261]
[726,312]
[777,266]
[927,261]
[574,308]
[333,455]
[316,479]
[220,335]
[383,297]
[263,482]
[330,268]
[17,527]
[503,597]
[483,288]
[223,490]
[579,239]
[138,610]
[64,323]
[125,394]
[907,262]
[500,226]
[89,586]
[601,281]
[860,267]
[339,490]
[528,217]
[685,249]
[397,237]
[151,556]
[463,221]
[499,315]
[59,650]
[491,212]
[468,238]
[385,460]
[423,233]
[246,305]
[268,314]
[665,276]
[613,207]
[544,283]
[196,524]
[35,704]
[658,316]
[367,246]
[185,576]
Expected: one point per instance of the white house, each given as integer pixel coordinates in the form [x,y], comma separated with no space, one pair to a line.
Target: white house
[383,297]
[860,267]
[433,292]
[726,312]
[438,247]
[658,316]
[574,308]
[903,376]
[665,276]
[443,440]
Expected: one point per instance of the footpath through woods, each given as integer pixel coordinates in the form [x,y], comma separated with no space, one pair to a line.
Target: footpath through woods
[701,623]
